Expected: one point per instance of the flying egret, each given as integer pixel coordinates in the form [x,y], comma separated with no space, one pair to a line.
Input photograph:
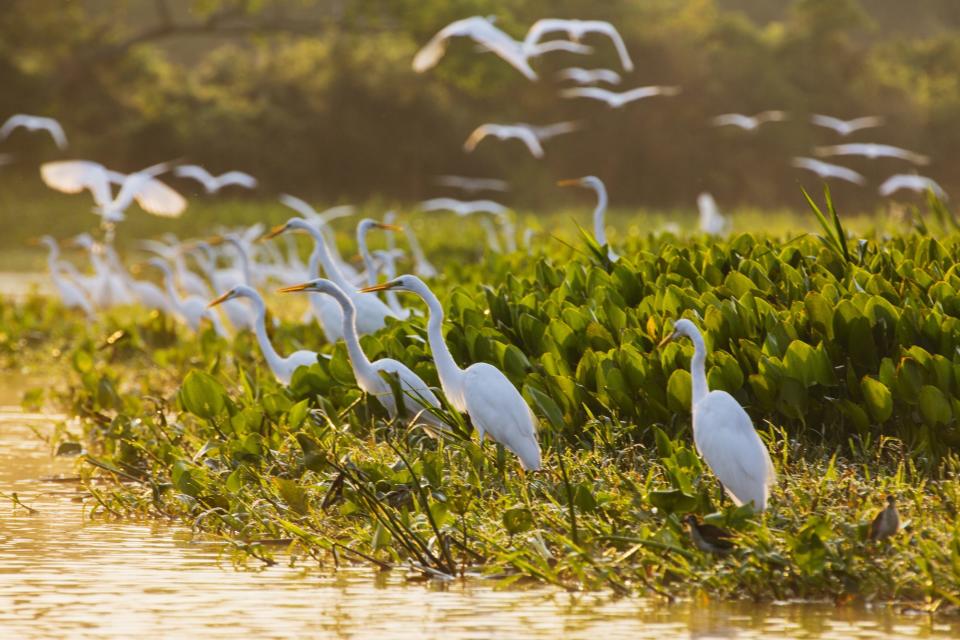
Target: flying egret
[723,432]
[589,76]
[282,367]
[371,268]
[531,135]
[846,127]
[463,207]
[748,123]
[600,213]
[211,183]
[618,99]
[712,222]
[418,399]
[472,185]
[371,310]
[911,182]
[827,170]
[481,390]
[872,151]
[480,30]
[576,30]
[886,523]
[192,310]
[35,123]
[72,295]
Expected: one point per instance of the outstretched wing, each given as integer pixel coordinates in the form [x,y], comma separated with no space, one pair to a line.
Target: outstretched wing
[73,176]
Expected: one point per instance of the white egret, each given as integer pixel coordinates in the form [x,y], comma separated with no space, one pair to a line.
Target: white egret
[149,295]
[370,266]
[322,221]
[846,127]
[371,310]
[192,310]
[418,399]
[723,432]
[493,242]
[72,295]
[472,185]
[589,76]
[576,30]
[211,183]
[481,390]
[35,123]
[872,151]
[616,99]
[827,170]
[240,315]
[522,132]
[599,213]
[712,222]
[282,367]
[463,207]
[173,252]
[748,123]
[911,182]
[388,262]
[480,30]
[107,288]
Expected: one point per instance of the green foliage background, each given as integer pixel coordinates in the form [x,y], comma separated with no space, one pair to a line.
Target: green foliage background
[317,97]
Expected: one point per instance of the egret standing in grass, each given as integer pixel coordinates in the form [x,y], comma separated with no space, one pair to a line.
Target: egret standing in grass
[281,367]
[600,213]
[723,432]
[418,400]
[481,390]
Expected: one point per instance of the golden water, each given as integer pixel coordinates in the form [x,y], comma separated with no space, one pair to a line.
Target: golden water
[63,574]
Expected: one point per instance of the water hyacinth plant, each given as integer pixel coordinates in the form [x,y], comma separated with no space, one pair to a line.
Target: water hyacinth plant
[843,351]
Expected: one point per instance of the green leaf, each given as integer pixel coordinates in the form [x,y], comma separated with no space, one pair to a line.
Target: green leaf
[878,399]
[313,456]
[517,520]
[679,390]
[293,494]
[672,501]
[202,395]
[934,406]
[297,414]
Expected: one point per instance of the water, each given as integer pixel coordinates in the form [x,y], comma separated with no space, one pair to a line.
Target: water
[63,574]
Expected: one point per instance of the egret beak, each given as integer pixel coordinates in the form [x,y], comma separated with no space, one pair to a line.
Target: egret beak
[273,233]
[221,299]
[33,242]
[664,342]
[216,241]
[388,227]
[572,182]
[305,286]
[377,287]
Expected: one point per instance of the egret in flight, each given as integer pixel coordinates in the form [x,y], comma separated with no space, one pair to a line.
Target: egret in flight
[34,123]
[589,76]
[872,151]
[911,182]
[463,207]
[599,213]
[531,135]
[846,127]
[482,31]
[211,183]
[282,367]
[748,123]
[723,432]
[418,399]
[576,30]
[827,170]
[617,100]
[481,390]
[473,185]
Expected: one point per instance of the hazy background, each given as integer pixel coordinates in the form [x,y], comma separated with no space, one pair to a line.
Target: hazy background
[317,97]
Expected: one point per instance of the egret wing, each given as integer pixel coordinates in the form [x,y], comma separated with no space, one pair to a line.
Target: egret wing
[497,408]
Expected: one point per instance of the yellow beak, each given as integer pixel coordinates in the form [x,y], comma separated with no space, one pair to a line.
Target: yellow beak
[215,241]
[572,182]
[273,233]
[220,300]
[665,341]
[388,227]
[294,288]
[377,287]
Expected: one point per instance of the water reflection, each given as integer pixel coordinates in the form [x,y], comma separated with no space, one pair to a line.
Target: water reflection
[64,575]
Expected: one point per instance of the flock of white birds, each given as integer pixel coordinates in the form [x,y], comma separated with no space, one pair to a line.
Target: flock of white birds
[226,273]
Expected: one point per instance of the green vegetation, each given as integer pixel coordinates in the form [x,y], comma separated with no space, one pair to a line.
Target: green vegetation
[843,349]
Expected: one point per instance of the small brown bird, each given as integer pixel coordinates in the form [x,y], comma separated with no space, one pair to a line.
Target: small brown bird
[887,521]
[708,538]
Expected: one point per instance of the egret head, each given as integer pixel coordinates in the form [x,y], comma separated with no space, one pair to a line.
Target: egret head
[403,283]
[159,263]
[317,285]
[292,223]
[369,223]
[239,291]
[681,328]
[590,182]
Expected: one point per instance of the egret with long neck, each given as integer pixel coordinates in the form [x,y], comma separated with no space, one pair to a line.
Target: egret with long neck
[599,213]
[482,391]
[192,310]
[723,432]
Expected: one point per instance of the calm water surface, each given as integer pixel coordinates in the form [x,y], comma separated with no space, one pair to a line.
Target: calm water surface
[65,575]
